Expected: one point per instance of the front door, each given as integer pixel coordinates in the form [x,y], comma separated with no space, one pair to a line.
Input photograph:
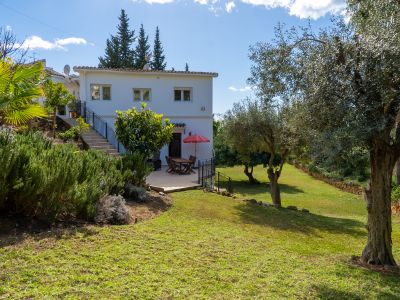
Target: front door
[175,147]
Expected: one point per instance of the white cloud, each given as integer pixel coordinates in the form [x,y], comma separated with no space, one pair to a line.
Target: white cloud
[71,41]
[270,3]
[316,9]
[244,89]
[36,42]
[229,6]
[313,9]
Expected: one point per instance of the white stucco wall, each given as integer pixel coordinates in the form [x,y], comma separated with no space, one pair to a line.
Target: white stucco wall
[197,114]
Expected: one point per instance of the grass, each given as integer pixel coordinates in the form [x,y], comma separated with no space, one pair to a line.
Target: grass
[208,246]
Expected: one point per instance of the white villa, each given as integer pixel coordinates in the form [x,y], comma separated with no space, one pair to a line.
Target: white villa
[186,98]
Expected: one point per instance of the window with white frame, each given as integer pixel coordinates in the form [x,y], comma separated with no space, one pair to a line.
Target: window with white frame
[183,94]
[100,91]
[140,94]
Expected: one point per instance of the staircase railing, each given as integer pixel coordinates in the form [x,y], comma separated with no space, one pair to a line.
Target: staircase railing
[99,125]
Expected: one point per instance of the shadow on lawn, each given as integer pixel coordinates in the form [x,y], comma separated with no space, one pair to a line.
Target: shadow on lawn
[15,231]
[324,292]
[296,221]
[245,188]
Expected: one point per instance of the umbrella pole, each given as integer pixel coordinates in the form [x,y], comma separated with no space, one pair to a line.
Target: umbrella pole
[195,149]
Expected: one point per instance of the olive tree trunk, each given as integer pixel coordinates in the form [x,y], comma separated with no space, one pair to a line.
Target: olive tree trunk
[378,250]
[273,176]
[249,173]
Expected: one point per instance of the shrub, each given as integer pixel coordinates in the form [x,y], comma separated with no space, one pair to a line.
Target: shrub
[142,131]
[136,168]
[135,193]
[112,210]
[47,181]
[70,134]
[75,132]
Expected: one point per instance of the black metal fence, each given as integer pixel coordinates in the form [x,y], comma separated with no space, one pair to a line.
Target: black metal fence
[206,173]
[211,179]
[223,182]
[99,125]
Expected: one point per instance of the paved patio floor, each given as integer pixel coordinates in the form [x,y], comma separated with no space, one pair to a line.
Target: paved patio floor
[163,181]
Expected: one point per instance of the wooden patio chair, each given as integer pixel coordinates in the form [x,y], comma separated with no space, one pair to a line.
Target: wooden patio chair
[190,166]
[171,165]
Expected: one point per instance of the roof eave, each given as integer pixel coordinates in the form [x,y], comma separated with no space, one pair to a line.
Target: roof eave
[139,72]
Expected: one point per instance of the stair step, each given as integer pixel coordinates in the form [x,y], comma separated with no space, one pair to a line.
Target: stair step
[104,147]
[94,141]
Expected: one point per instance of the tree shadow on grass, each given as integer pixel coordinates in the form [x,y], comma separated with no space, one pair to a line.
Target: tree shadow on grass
[325,292]
[389,282]
[297,221]
[14,231]
[245,188]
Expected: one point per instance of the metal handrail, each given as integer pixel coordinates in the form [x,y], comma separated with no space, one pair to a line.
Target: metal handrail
[99,125]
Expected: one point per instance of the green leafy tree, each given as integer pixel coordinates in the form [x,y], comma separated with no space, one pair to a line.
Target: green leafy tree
[158,62]
[224,155]
[143,131]
[119,52]
[19,86]
[56,95]
[348,79]
[142,49]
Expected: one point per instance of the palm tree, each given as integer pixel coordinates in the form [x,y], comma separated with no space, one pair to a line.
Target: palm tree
[19,86]
[56,94]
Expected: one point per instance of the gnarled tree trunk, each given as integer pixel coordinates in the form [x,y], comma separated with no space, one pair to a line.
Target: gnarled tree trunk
[378,250]
[273,176]
[249,174]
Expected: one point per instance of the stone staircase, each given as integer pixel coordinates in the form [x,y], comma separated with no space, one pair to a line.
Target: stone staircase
[93,139]
[96,142]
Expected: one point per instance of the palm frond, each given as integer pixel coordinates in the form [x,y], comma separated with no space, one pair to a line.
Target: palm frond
[22,115]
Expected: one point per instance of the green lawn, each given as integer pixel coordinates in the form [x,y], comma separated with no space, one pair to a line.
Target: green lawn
[209,246]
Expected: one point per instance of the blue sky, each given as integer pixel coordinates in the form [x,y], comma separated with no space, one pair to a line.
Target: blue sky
[210,35]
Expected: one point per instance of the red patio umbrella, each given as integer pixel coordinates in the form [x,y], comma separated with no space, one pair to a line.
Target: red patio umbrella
[195,139]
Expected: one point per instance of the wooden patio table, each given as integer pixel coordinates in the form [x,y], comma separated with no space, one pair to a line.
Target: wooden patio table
[182,162]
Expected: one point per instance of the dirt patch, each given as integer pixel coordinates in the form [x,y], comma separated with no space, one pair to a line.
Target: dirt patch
[14,229]
[155,205]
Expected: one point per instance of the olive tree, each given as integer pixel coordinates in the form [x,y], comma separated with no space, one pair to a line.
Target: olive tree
[253,127]
[348,77]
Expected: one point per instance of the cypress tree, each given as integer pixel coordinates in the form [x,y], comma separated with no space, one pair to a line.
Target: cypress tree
[119,52]
[142,49]
[186,67]
[158,62]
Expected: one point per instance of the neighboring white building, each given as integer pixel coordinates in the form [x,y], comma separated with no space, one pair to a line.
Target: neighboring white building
[186,98]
